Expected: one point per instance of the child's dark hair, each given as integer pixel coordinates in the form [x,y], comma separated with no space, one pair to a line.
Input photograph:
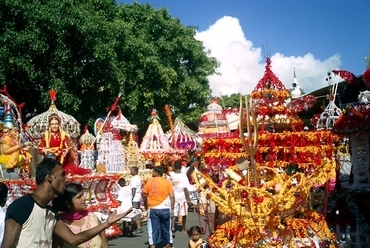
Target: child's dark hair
[60,203]
[194,228]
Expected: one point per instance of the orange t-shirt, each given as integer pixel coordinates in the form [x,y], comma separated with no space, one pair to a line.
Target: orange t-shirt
[157,189]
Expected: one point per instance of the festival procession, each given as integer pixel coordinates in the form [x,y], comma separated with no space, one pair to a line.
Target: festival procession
[277,168]
[255,172]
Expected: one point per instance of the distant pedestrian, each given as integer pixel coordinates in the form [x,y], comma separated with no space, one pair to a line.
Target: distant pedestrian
[159,200]
[125,199]
[136,185]
[180,183]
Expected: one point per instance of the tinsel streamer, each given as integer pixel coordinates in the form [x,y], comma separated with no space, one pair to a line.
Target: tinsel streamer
[168,113]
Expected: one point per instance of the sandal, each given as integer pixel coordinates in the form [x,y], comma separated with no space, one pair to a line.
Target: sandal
[184,231]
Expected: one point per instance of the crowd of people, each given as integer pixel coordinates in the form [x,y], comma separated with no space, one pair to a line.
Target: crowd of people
[31,221]
[55,213]
[167,197]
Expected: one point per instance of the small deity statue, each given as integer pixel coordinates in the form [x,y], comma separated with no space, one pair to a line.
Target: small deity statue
[14,155]
[57,143]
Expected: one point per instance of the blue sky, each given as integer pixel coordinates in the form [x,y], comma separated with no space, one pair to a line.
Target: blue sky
[312,36]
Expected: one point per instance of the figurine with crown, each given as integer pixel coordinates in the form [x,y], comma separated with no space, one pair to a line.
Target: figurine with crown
[14,154]
[54,129]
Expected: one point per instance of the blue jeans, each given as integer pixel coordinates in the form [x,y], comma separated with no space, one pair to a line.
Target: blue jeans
[159,226]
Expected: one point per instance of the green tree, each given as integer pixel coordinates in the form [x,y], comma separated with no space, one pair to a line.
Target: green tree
[91,50]
[232,101]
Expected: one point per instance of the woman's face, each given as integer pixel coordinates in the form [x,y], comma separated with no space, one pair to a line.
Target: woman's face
[78,202]
[14,133]
[54,125]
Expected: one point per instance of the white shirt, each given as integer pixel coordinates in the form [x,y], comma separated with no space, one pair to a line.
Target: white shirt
[124,196]
[184,169]
[136,183]
[2,224]
[179,182]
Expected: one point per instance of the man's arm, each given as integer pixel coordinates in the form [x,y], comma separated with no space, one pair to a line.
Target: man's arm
[145,200]
[11,234]
[187,196]
[172,199]
[66,234]
[133,192]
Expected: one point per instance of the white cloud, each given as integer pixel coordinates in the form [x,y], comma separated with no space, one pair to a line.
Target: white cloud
[242,64]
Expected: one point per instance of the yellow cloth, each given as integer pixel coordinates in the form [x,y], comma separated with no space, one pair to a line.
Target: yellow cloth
[90,221]
[16,159]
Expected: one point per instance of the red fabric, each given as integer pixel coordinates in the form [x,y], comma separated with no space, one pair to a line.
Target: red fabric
[68,163]
[73,215]
[366,77]
[53,95]
[346,75]
[114,105]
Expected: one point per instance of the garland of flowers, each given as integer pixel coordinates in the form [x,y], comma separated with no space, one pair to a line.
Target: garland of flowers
[267,215]
[306,149]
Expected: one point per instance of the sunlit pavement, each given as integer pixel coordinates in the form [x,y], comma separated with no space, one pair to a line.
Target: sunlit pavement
[180,240]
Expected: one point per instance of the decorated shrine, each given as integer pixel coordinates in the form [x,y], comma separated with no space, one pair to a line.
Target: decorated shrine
[87,150]
[133,157]
[132,154]
[264,180]
[182,138]
[120,122]
[275,109]
[111,156]
[265,196]
[213,122]
[37,126]
[155,146]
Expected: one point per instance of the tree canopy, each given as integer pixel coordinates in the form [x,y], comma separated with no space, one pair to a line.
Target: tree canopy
[90,51]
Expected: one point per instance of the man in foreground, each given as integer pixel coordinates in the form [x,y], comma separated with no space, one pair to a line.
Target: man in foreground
[30,222]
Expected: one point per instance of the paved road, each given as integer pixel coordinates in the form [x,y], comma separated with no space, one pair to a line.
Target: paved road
[180,241]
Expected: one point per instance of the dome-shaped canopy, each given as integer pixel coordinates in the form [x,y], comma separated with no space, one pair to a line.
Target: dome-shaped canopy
[38,124]
[87,138]
[120,122]
[214,107]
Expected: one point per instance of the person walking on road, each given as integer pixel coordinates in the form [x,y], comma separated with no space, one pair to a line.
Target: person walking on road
[159,200]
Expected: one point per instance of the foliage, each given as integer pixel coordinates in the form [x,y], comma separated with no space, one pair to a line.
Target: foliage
[91,50]
[232,101]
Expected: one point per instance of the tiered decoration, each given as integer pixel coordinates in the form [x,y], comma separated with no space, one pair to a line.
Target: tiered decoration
[121,123]
[154,145]
[37,126]
[183,138]
[270,98]
[87,159]
[267,204]
[110,151]
[213,123]
[133,155]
